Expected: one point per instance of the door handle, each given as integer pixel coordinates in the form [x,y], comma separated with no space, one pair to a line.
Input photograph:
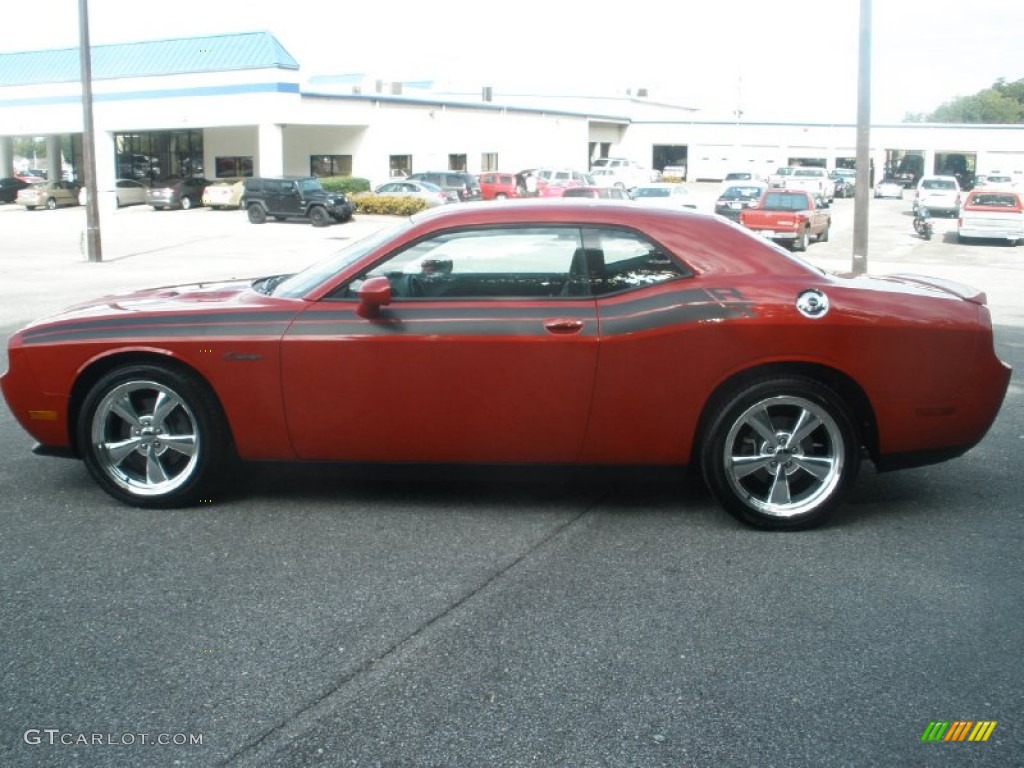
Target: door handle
[563,325]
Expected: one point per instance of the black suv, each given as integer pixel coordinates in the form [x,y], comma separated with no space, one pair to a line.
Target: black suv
[458,185]
[287,197]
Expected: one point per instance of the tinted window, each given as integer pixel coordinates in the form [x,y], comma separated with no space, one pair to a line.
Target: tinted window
[500,262]
[620,260]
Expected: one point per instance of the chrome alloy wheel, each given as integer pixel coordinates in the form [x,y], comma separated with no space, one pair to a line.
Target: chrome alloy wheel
[784,456]
[145,438]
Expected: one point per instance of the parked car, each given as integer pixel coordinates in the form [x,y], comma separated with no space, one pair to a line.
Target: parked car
[286,197]
[844,182]
[791,217]
[992,214]
[552,182]
[939,194]
[997,181]
[598,193]
[738,197]
[460,186]
[31,175]
[177,193]
[774,377]
[126,192]
[889,186]
[733,176]
[499,186]
[625,173]
[10,187]
[51,194]
[224,193]
[429,193]
[663,194]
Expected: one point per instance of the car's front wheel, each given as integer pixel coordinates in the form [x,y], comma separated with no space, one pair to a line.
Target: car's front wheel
[51,203]
[319,216]
[152,435]
[186,203]
[781,454]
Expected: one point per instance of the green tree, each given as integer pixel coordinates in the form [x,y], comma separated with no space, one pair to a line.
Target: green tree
[1003,103]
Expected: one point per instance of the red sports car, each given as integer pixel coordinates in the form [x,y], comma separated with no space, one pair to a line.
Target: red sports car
[584,333]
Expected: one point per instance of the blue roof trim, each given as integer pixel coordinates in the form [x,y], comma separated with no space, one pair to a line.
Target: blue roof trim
[212,53]
[168,93]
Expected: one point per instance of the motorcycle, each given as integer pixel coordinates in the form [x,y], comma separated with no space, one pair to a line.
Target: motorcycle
[923,223]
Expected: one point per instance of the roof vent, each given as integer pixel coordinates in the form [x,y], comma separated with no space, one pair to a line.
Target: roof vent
[488,93]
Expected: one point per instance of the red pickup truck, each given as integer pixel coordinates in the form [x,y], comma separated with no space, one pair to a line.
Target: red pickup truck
[789,216]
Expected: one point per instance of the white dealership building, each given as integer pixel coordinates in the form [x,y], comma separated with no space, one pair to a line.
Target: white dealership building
[240,104]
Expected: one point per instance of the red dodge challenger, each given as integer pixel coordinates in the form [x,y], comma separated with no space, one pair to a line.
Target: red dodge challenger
[534,332]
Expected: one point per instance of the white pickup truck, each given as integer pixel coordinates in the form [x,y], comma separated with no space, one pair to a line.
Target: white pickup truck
[813,180]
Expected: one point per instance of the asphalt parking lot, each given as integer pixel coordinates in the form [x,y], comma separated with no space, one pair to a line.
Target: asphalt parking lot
[337,616]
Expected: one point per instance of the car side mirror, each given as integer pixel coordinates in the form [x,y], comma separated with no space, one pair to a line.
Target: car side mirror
[373,294]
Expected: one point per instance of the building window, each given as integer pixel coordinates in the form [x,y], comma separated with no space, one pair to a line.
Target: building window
[330,165]
[489,161]
[233,167]
[159,154]
[399,165]
[456,162]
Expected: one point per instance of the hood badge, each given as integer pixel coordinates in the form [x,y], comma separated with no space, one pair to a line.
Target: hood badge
[812,303]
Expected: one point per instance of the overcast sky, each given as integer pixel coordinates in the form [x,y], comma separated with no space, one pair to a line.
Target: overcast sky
[793,60]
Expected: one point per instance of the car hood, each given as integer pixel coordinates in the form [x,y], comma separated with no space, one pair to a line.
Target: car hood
[214,297]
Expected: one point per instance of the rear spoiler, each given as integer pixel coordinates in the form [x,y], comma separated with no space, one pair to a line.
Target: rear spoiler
[965,292]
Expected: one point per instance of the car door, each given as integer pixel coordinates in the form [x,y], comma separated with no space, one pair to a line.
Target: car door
[658,327]
[283,197]
[485,353]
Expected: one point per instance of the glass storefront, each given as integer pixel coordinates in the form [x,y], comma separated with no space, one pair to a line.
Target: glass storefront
[159,154]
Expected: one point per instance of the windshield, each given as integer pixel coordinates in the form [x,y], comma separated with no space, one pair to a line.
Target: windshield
[301,283]
[309,185]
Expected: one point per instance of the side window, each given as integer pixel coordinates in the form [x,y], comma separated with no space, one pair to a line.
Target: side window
[628,260]
[493,263]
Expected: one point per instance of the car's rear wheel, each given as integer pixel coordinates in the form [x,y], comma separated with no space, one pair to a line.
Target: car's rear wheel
[319,216]
[151,435]
[823,237]
[501,196]
[781,454]
[256,214]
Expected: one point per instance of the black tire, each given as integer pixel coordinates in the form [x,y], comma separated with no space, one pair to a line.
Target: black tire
[51,204]
[764,477]
[152,436]
[501,196]
[256,213]
[319,217]
[800,244]
[186,203]
[823,237]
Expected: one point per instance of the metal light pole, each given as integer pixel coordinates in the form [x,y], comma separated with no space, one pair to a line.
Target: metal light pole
[92,210]
[862,197]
